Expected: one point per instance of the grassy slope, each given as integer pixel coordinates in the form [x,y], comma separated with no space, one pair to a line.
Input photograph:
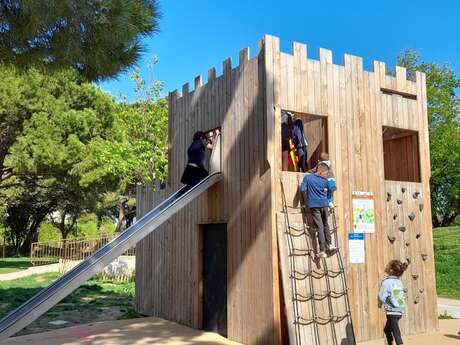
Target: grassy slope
[84,305]
[447,259]
[9,265]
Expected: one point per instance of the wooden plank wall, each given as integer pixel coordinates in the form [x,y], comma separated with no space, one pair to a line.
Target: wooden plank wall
[246,101]
[358,104]
[330,333]
[168,261]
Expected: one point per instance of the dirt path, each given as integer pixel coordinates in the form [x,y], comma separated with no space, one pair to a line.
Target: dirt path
[30,271]
[449,306]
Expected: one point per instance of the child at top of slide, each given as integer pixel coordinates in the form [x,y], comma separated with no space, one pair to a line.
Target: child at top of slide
[195,170]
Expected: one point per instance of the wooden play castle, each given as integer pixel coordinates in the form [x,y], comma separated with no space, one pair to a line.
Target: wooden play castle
[224,262]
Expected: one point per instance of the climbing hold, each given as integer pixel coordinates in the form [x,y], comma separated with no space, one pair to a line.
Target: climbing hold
[424,257]
[395,216]
[421,290]
[412,216]
[420,207]
[392,239]
[418,236]
[407,244]
[388,196]
[399,201]
[415,276]
[408,260]
[402,228]
[403,190]
[415,195]
[417,300]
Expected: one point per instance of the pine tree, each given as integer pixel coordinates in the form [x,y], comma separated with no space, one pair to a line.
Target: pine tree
[100,38]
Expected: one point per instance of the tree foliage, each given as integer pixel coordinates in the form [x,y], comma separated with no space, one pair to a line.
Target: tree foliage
[444,128]
[98,38]
[72,150]
[136,151]
[64,114]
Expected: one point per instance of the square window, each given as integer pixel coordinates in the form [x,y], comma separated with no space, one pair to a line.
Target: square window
[315,133]
[401,154]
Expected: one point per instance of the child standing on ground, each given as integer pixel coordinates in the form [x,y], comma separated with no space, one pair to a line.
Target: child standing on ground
[392,298]
[317,186]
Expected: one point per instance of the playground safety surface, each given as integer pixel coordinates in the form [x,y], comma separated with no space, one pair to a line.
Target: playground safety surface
[448,334]
[148,330]
[151,330]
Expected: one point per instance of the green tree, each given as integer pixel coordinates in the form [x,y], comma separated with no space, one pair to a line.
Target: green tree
[63,119]
[444,128]
[21,94]
[135,153]
[27,205]
[98,38]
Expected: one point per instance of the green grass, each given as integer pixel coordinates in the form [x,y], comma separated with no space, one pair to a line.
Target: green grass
[9,265]
[93,301]
[447,261]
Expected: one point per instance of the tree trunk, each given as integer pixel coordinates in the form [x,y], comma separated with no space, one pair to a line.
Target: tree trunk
[32,236]
[448,220]
[121,216]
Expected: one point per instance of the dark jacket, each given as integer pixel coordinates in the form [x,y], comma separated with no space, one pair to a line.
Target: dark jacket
[298,136]
[196,152]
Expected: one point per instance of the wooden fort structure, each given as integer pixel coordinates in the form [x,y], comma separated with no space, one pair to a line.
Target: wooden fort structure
[224,246]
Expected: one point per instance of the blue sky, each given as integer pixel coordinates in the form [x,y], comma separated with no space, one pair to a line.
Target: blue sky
[196,35]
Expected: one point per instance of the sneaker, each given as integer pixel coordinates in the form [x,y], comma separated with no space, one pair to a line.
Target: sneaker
[331,247]
[322,255]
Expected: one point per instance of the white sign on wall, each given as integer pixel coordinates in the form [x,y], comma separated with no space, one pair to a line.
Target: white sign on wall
[356,248]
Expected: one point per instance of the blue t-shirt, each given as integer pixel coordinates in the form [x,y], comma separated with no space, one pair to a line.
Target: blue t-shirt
[196,152]
[317,188]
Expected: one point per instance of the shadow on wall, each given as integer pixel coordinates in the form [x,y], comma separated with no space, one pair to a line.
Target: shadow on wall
[246,186]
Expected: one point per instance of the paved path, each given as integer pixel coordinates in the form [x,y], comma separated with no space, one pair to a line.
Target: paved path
[449,334]
[447,306]
[29,271]
[148,330]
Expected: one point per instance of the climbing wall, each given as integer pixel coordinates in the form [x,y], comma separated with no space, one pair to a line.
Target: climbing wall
[407,241]
[315,290]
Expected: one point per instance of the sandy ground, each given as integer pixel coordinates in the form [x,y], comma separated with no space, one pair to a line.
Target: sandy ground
[29,271]
[124,332]
[157,331]
[449,334]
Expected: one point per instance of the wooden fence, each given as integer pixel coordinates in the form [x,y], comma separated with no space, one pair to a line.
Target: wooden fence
[70,253]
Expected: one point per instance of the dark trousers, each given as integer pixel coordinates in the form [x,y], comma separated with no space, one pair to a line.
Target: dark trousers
[392,329]
[303,166]
[302,155]
[319,216]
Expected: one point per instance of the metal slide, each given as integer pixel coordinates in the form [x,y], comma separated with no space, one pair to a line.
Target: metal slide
[62,287]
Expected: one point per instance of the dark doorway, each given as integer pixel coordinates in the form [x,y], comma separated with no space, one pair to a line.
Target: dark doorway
[215,278]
